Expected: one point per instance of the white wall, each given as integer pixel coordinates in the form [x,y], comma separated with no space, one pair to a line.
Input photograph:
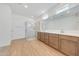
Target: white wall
[5,25]
[18,27]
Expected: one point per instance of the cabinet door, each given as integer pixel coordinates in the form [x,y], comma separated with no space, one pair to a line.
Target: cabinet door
[38,36]
[53,40]
[78,49]
[68,47]
[42,36]
[46,38]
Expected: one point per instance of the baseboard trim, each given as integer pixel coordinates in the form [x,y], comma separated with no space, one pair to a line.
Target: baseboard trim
[18,38]
[25,39]
[6,44]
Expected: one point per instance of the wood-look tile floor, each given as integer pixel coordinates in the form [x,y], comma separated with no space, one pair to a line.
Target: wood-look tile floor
[23,47]
[4,51]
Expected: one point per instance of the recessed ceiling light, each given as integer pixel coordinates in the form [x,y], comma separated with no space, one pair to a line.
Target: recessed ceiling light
[26,6]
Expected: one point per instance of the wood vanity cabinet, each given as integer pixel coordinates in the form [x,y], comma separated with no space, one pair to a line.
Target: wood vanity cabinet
[68,45]
[78,49]
[53,40]
[38,35]
[46,37]
[42,36]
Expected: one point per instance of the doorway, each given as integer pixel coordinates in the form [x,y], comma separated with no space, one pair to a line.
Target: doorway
[29,31]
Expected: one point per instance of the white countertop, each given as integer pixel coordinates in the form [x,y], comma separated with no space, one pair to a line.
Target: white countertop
[70,33]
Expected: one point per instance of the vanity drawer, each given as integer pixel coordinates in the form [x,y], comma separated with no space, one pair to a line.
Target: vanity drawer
[67,37]
[53,35]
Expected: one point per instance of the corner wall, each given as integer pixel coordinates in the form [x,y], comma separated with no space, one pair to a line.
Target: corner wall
[5,25]
[21,27]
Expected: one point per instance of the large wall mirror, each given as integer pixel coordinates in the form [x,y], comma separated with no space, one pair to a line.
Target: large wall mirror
[67,20]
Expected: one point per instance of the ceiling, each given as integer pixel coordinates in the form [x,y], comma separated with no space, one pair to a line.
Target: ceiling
[34,9]
[72,11]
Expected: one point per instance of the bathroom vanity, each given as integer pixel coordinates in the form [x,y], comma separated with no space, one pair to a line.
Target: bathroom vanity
[65,43]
